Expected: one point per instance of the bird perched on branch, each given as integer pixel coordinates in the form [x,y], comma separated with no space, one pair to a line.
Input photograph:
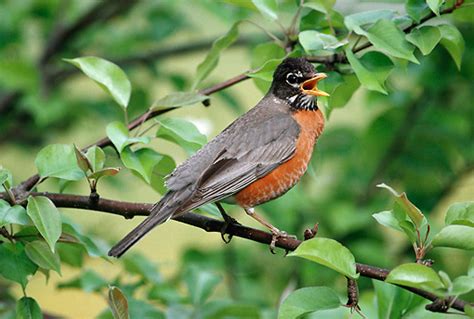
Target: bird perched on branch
[257,158]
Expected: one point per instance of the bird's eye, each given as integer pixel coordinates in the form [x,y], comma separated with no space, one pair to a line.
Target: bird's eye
[292,79]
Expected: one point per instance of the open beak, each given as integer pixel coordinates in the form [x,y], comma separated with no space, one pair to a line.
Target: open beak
[309,86]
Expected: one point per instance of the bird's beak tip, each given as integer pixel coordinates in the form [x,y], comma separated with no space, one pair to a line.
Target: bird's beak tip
[310,86]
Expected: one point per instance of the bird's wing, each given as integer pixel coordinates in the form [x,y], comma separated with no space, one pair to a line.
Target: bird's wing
[248,157]
[244,130]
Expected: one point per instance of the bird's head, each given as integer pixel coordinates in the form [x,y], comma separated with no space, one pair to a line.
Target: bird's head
[295,81]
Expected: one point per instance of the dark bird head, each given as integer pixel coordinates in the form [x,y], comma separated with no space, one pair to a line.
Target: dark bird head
[295,81]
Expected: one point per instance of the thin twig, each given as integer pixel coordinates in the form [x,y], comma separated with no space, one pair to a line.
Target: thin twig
[267,32]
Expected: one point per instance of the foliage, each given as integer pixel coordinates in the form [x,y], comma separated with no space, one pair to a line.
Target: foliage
[417,136]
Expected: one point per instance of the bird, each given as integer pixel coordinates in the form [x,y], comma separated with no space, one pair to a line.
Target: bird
[257,158]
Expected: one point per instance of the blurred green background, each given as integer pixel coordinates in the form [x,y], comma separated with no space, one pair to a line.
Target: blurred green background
[418,139]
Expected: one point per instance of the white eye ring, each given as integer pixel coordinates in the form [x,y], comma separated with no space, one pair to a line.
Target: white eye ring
[292,79]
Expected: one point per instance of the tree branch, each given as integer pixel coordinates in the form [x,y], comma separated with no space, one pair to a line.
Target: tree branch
[130,210]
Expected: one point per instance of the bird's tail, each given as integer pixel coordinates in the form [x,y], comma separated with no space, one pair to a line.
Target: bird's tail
[159,214]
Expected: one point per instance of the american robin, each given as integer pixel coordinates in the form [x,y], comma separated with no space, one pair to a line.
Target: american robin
[259,157]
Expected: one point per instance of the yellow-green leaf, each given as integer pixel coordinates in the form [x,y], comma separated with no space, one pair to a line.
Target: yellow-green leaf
[425,38]
[385,36]
[118,303]
[39,252]
[416,276]
[308,300]
[455,236]
[329,253]
[408,207]
[453,41]
[212,58]
[107,75]
[46,218]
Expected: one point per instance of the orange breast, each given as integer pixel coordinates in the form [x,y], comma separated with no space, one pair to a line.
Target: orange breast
[284,177]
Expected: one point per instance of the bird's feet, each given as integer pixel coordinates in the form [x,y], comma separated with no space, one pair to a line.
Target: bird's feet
[276,235]
[227,222]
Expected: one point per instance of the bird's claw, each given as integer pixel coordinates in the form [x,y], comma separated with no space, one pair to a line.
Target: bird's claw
[227,222]
[276,235]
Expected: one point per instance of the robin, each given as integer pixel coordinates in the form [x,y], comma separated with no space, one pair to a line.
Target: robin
[257,158]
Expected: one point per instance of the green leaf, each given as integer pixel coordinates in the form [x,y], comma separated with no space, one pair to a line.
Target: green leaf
[118,303]
[453,41]
[46,218]
[329,253]
[445,279]
[118,133]
[247,4]
[228,309]
[267,8]
[470,270]
[28,308]
[108,75]
[462,285]
[424,38]
[164,167]
[387,219]
[140,265]
[165,293]
[385,36]
[260,55]
[455,236]
[464,14]
[266,71]
[5,177]
[372,69]
[416,276]
[178,99]
[109,171]
[469,310]
[82,160]
[460,214]
[408,208]
[323,6]
[15,265]
[211,210]
[88,281]
[93,249]
[96,157]
[12,215]
[358,22]
[393,301]
[212,58]
[434,5]
[181,132]
[307,300]
[58,160]
[141,161]
[417,9]
[39,252]
[409,229]
[341,89]
[312,41]
[201,284]
[71,254]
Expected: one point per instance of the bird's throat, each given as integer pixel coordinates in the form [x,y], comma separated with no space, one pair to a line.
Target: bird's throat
[302,101]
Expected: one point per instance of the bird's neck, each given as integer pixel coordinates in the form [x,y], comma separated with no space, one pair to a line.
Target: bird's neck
[302,101]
